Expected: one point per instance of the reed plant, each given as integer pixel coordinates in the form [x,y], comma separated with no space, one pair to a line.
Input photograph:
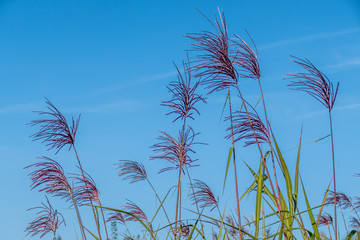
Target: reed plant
[219,63]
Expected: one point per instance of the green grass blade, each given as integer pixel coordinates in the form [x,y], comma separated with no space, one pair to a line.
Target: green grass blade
[162,202]
[323,203]
[221,225]
[258,199]
[296,184]
[311,215]
[350,235]
[138,219]
[91,233]
[227,166]
[222,112]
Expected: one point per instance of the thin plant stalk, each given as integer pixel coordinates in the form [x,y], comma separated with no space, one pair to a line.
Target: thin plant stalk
[270,142]
[196,204]
[157,196]
[91,203]
[235,171]
[78,216]
[177,200]
[261,153]
[333,161]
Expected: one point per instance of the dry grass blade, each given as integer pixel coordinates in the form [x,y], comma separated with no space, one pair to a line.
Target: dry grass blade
[50,176]
[131,170]
[203,195]
[215,65]
[342,199]
[325,220]
[246,58]
[85,191]
[54,129]
[176,151]
[313,82]
[184,96]
[248,126]
[48,220]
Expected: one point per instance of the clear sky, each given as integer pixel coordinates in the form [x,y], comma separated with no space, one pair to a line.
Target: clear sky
[111,61]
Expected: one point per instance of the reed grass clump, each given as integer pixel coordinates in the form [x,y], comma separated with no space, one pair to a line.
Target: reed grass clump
[219,62]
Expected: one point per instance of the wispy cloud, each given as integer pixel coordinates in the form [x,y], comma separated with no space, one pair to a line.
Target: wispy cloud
[349,63]
[312,37]
[133,83]
[19,107]
[339,108]
[110,107]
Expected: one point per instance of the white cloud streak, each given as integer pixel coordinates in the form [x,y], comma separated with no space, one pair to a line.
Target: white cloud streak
[308,38]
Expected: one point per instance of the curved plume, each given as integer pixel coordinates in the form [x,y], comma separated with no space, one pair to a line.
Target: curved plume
[136,211]
[48,220]
[54,129]
[184,96]
[203,195]
[248,126]
[342,199]
[325,220]
[131,170]
[50,177]
[86,190]
[246,58]
[215,65]
[313,82]
[176,151]
[116,216]
[355,223]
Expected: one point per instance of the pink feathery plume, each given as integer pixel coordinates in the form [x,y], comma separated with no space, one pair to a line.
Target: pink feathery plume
[131,170]
[248,126]
[176,150]
[136,211]
[54,129]
[184,96]
[313,82]
[49,176]
[246,58]
[342,199]
[85,191]
[325,220]
[203,195]
[48,220]
[214,65]
[116,216]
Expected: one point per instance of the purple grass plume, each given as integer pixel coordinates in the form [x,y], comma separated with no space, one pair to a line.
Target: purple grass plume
[116,216]
[248,126]
[176,151]
[325,220]
[232,229]
[215,66]
[131,170]
[135,211]
[355,223]
[48,220]
[342,200]
[184,96]
[246,58]
[49,176]
[85,190]
[55,131]
[203,195]
[313,82]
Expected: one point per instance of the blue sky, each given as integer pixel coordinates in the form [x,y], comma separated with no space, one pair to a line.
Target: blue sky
[111,61]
